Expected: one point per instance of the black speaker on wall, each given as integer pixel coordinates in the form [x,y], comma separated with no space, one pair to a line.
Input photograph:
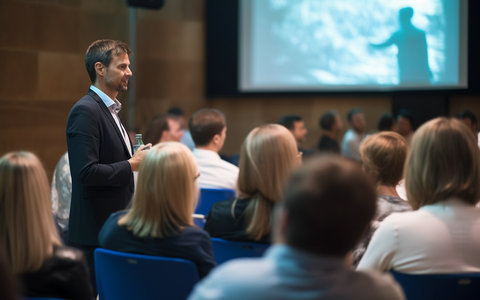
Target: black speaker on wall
[153,4]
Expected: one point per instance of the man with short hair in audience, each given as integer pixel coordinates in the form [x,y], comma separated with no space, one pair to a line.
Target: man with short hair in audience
[405,125]
[354,136]
[331,124]
[208,129]
[296,125]
[186,137]
[313,235]
[164,128]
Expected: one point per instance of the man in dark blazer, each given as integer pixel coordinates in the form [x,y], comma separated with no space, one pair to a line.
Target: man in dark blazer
[99,149]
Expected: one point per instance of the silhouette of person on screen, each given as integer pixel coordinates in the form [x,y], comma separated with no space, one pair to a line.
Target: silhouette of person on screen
[412,54]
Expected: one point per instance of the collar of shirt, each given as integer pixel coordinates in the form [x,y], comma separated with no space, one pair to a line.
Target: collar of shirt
[207,154]
[113,104]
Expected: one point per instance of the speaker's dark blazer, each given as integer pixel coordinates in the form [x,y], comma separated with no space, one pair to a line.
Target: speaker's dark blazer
[102,178]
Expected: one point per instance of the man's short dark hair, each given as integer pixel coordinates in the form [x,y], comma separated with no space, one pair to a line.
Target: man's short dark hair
[205,124]
[289,120]
[353,112]
[327,120]
[157,126]
[102,51]
[468,114]
[329,202]
[176,111]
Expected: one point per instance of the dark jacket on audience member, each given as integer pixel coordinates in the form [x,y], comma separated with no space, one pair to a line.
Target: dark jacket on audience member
[326,144]
[64,275]
[222,224]
[191,243]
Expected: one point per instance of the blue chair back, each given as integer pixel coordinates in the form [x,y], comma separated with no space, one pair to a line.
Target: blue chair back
[225,250]
[210,196]
[439,286]
[122,275]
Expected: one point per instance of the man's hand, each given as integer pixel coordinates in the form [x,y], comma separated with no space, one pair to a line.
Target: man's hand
[138,156]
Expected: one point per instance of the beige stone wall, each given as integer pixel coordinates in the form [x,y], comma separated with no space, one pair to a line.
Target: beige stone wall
[42,44]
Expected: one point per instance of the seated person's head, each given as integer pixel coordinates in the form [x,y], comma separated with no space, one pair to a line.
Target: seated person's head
[166,192]
[469,118]
[383,156]
[404,122]
[267,157]
[356,119]
[443,163]
[208,128]
[326,208]
[296,125]
[28,232]
[331,122]
[164,128]
[386,123]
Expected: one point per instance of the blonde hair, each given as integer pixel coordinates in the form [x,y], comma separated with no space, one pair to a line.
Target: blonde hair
[27,228]
[444,162]
[267,157]
[166,192]
[383,156]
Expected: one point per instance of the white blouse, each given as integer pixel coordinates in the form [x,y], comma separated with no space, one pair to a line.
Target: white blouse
[439,238]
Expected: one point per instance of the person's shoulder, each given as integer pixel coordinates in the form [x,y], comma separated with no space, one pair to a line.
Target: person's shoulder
[235,280]
[110,227]
[68,255]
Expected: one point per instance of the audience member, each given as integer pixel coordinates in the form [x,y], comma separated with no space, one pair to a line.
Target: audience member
[383,156]
[99,148]
[164,128]
[29,238]
[62,193]
[387,123]
[186,137]
[314,233]
[405,125]
[332,125]
[354,136]
[442,176]
[209,131]
[296,125]
[160,220]
[268,155]
[469,118]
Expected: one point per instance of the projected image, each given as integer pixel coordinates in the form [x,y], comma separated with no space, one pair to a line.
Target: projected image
[350,43]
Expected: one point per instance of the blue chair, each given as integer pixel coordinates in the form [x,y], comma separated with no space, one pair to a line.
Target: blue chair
[210,196]
[122,275]
[225,250]
[439,286]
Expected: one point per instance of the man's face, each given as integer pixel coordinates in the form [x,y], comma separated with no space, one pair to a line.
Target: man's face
[118,73]
[403,126]
[338,125]
[299,131]
[358,122]
[176,131]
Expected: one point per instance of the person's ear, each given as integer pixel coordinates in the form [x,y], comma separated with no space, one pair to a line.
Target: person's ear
[100,69]
[217,139]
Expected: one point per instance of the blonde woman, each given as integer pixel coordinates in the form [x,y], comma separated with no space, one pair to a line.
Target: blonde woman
[28,235]
[267,157]
[442,178]
[160,220]
[383,156]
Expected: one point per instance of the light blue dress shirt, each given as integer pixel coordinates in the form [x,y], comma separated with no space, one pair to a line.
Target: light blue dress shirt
[288,273]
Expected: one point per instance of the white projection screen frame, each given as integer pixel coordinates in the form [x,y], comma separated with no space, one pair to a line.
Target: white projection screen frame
[352,45]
